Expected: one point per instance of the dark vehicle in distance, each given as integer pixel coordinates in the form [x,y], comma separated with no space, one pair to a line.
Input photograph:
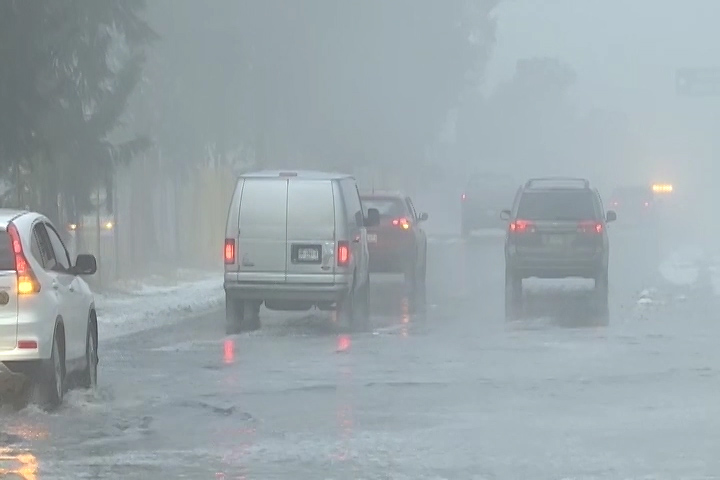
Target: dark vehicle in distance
[398,244]
[636,205]
[557,229]
[483,199]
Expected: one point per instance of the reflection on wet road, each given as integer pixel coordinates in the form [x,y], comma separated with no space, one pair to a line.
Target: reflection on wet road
[449,391]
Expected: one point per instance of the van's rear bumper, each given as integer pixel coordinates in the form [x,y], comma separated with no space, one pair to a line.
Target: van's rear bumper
[300,292]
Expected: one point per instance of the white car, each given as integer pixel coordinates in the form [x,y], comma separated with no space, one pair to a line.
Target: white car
[48,324]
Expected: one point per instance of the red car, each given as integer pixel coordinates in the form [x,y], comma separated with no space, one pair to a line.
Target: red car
[398,244]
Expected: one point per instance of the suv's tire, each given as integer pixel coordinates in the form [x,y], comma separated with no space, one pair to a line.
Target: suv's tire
[601,291]
[51,379]
[513,294]
[88,378]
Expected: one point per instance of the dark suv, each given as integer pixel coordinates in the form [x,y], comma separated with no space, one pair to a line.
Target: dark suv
[556,229]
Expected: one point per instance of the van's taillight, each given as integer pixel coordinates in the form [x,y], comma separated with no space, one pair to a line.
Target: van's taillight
[229,251]
[591,227]
[26,280]
[521,226]
[402,223]
[343,253]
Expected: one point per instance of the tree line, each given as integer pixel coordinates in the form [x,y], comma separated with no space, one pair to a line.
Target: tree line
[67,70]
[87,85]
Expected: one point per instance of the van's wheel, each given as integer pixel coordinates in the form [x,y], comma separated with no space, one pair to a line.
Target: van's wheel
[234,315]
[51,379]
[513,294]
[345,309]
[361,302]
[89,376]
[251,316]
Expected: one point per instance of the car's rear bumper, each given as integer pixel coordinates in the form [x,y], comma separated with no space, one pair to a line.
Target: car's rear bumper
[396,260]
[554,267]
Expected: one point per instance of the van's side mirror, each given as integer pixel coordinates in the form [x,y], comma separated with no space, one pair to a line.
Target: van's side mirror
[611,216]
[505,215]
[373,217]
[423,217]
[85,265]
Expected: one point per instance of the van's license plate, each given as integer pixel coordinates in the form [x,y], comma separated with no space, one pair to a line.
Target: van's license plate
[308,254]
[372,237]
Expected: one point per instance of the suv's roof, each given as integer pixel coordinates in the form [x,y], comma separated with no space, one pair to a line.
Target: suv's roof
[562,183]
[304,174]
[9,214]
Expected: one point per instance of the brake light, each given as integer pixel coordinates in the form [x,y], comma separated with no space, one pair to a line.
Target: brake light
[647,204]
[402,223]
[522,226]
[26,281]
[590,227]
[463,197]
[229,251]
[343,253]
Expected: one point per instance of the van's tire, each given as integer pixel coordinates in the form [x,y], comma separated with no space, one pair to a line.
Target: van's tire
[50,386]
[234,315]
[251,316]
[361,304]
[88,377]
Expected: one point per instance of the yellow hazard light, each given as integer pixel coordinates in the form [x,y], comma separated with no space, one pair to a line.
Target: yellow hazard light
[662,188]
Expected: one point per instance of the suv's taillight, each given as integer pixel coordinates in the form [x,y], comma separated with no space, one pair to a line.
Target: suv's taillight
[26,281]
[229,252]
[343,253]
[591,227]
[521,226]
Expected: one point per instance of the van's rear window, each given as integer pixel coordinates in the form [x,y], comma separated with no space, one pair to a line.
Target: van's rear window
[7,259]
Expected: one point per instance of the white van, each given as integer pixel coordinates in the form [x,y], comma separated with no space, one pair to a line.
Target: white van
[296,240]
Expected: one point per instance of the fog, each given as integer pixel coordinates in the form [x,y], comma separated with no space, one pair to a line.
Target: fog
[127,123]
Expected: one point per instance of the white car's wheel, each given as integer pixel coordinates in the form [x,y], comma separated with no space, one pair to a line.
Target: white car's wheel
[51,379]
[90,374]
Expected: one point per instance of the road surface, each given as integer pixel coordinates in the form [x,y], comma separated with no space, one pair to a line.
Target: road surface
[457,393]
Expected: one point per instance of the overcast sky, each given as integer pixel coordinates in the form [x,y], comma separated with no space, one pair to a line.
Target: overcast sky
[625,51]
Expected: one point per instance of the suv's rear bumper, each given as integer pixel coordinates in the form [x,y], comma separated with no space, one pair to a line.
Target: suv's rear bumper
[544,267]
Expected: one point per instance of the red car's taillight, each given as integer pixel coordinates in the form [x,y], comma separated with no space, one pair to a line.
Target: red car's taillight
[402,223]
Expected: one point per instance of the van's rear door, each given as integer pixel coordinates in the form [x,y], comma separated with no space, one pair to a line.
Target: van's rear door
[311,231]
[8,295]
[262,232]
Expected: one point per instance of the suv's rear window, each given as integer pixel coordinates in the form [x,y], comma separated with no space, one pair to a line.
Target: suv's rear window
[561,205]
[388,207]
[7,259]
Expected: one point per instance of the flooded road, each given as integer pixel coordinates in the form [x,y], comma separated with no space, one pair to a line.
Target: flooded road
[453,393]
